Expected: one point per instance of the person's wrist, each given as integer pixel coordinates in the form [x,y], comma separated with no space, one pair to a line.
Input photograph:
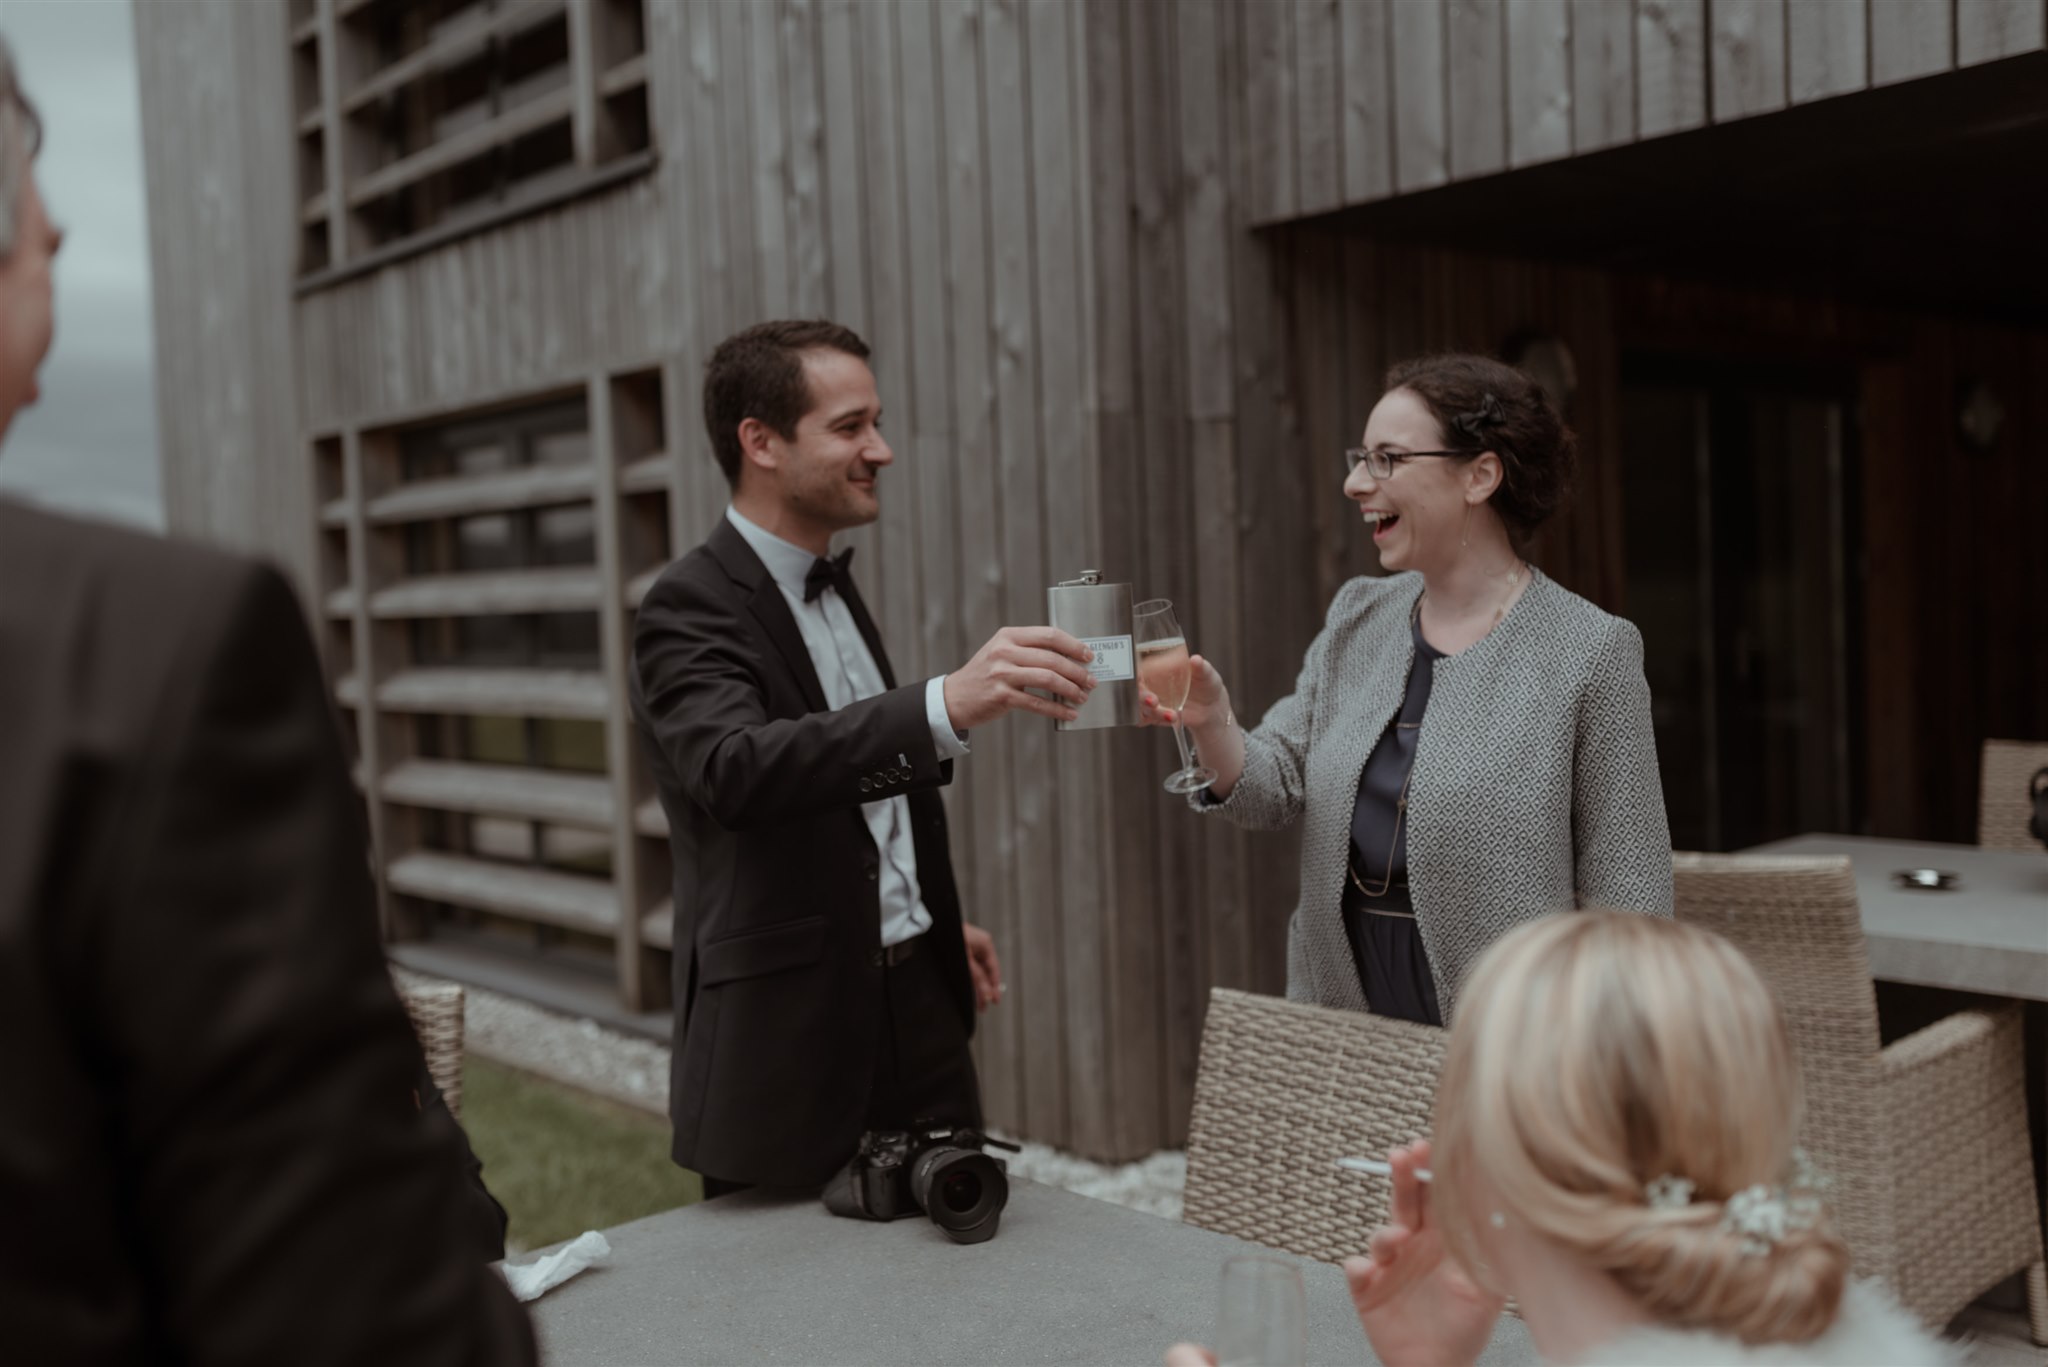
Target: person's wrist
[1216,721]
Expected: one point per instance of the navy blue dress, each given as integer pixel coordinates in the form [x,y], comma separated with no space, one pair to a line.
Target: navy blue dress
[1379,918]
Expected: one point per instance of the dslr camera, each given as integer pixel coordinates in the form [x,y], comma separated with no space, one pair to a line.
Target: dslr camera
[934,1170]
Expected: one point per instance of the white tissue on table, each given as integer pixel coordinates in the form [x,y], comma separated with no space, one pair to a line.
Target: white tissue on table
[545,1274]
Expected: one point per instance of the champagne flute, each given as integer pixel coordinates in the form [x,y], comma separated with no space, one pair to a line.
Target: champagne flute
[1262,1316]
[1164,671]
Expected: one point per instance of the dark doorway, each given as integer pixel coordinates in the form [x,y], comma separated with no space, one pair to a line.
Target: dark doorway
[1737,485]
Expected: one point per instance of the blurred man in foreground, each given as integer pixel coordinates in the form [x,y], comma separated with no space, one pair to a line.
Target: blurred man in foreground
[209,1150]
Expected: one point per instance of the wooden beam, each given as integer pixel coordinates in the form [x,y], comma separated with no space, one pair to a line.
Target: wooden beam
[334,165]
[571,694]
[585,109]
[647,475]
[528,486]
[501,790]
[516,122]
[368,740]
[451,49]
[630,74]
[658,926]
[565,588]
[523,893]
[631,881]
[650,820]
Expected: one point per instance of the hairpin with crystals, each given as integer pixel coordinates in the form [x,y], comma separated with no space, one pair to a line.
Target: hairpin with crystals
[1761,1215]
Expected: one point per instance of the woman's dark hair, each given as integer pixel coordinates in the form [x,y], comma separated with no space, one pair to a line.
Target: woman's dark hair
[1487,405]
[759,373]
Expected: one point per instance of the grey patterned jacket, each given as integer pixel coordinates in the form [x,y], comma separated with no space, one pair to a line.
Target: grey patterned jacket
[1535,786]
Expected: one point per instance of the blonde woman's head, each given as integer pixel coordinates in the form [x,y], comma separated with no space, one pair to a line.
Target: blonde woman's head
[1596,1052]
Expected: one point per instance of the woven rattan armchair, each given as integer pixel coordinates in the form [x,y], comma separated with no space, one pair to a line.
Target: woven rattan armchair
[436,1011]
[2003,805]
[1925,1141]
[1283,1091]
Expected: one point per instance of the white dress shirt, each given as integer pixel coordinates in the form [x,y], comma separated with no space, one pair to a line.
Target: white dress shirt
[849,674]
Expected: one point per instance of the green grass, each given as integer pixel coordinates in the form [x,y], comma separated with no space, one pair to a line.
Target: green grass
[562,1161]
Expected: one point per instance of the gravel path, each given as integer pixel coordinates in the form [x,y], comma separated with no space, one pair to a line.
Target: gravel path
[581,1053]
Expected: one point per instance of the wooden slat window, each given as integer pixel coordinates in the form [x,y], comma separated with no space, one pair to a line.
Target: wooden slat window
[493,706]
[431,116]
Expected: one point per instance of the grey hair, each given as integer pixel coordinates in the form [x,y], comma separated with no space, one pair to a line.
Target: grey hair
[21,136]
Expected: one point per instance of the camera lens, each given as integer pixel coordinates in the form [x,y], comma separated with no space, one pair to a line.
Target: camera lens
[963,1190]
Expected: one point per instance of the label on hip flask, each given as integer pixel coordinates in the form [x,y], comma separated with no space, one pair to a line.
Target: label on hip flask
[1114,659]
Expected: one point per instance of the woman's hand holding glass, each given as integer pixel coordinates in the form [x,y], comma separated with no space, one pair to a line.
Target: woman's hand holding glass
[1207,705]
[1208,720]
[1416,1304]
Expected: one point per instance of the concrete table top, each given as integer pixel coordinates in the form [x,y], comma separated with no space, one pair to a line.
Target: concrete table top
[770,1278]
[1990,935]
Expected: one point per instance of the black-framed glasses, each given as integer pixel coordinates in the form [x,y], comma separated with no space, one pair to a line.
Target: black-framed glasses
[1382,463]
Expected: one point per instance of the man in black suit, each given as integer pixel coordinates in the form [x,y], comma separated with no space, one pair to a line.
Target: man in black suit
[825,982]
[209,1148]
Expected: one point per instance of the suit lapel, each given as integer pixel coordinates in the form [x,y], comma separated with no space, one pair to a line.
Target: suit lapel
[768,607]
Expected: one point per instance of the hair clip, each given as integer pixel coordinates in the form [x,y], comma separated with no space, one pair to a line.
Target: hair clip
[1668,1193]
[1483,416]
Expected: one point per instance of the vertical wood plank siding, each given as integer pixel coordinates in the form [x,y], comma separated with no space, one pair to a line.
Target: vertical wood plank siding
[1910,38]
[1987,30]
[1103,341]
[1748,63]
[1671,66]
[1539,83]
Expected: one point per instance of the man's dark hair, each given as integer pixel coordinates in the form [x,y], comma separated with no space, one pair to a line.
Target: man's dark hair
[759,373]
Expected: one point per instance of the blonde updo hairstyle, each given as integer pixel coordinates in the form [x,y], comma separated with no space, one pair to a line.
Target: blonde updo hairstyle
[1595,1052]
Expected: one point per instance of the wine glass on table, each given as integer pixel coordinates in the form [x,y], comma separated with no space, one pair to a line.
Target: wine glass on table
[1262,1317]
[1163,671]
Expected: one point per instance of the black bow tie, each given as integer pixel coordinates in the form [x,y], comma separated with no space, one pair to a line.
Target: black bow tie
[828,574]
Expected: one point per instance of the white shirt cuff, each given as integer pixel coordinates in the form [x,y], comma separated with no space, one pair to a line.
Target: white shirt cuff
[952,744]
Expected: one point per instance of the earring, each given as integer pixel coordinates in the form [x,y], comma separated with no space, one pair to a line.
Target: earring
[1465,527]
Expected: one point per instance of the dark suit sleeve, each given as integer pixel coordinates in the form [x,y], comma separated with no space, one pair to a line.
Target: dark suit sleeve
[700,663]
[292,1204]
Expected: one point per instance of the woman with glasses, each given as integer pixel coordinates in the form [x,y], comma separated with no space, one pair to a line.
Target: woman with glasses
[1468,744]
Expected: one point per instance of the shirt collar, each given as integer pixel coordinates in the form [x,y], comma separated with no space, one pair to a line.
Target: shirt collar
[788,564]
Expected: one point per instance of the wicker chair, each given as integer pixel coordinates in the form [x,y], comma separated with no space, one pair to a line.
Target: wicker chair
[436,1011]
[2003,805]
[1283,1091]
[1925,1141]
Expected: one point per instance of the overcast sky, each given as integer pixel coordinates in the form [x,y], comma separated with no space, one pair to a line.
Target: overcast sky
[90,444]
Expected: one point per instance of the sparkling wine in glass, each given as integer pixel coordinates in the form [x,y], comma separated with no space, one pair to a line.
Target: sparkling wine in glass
[1262,1315]
[1164,672]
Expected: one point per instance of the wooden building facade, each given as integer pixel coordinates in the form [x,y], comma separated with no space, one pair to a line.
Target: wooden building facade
[435,283]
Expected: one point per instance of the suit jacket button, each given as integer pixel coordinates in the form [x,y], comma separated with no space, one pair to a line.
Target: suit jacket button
[865,785]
